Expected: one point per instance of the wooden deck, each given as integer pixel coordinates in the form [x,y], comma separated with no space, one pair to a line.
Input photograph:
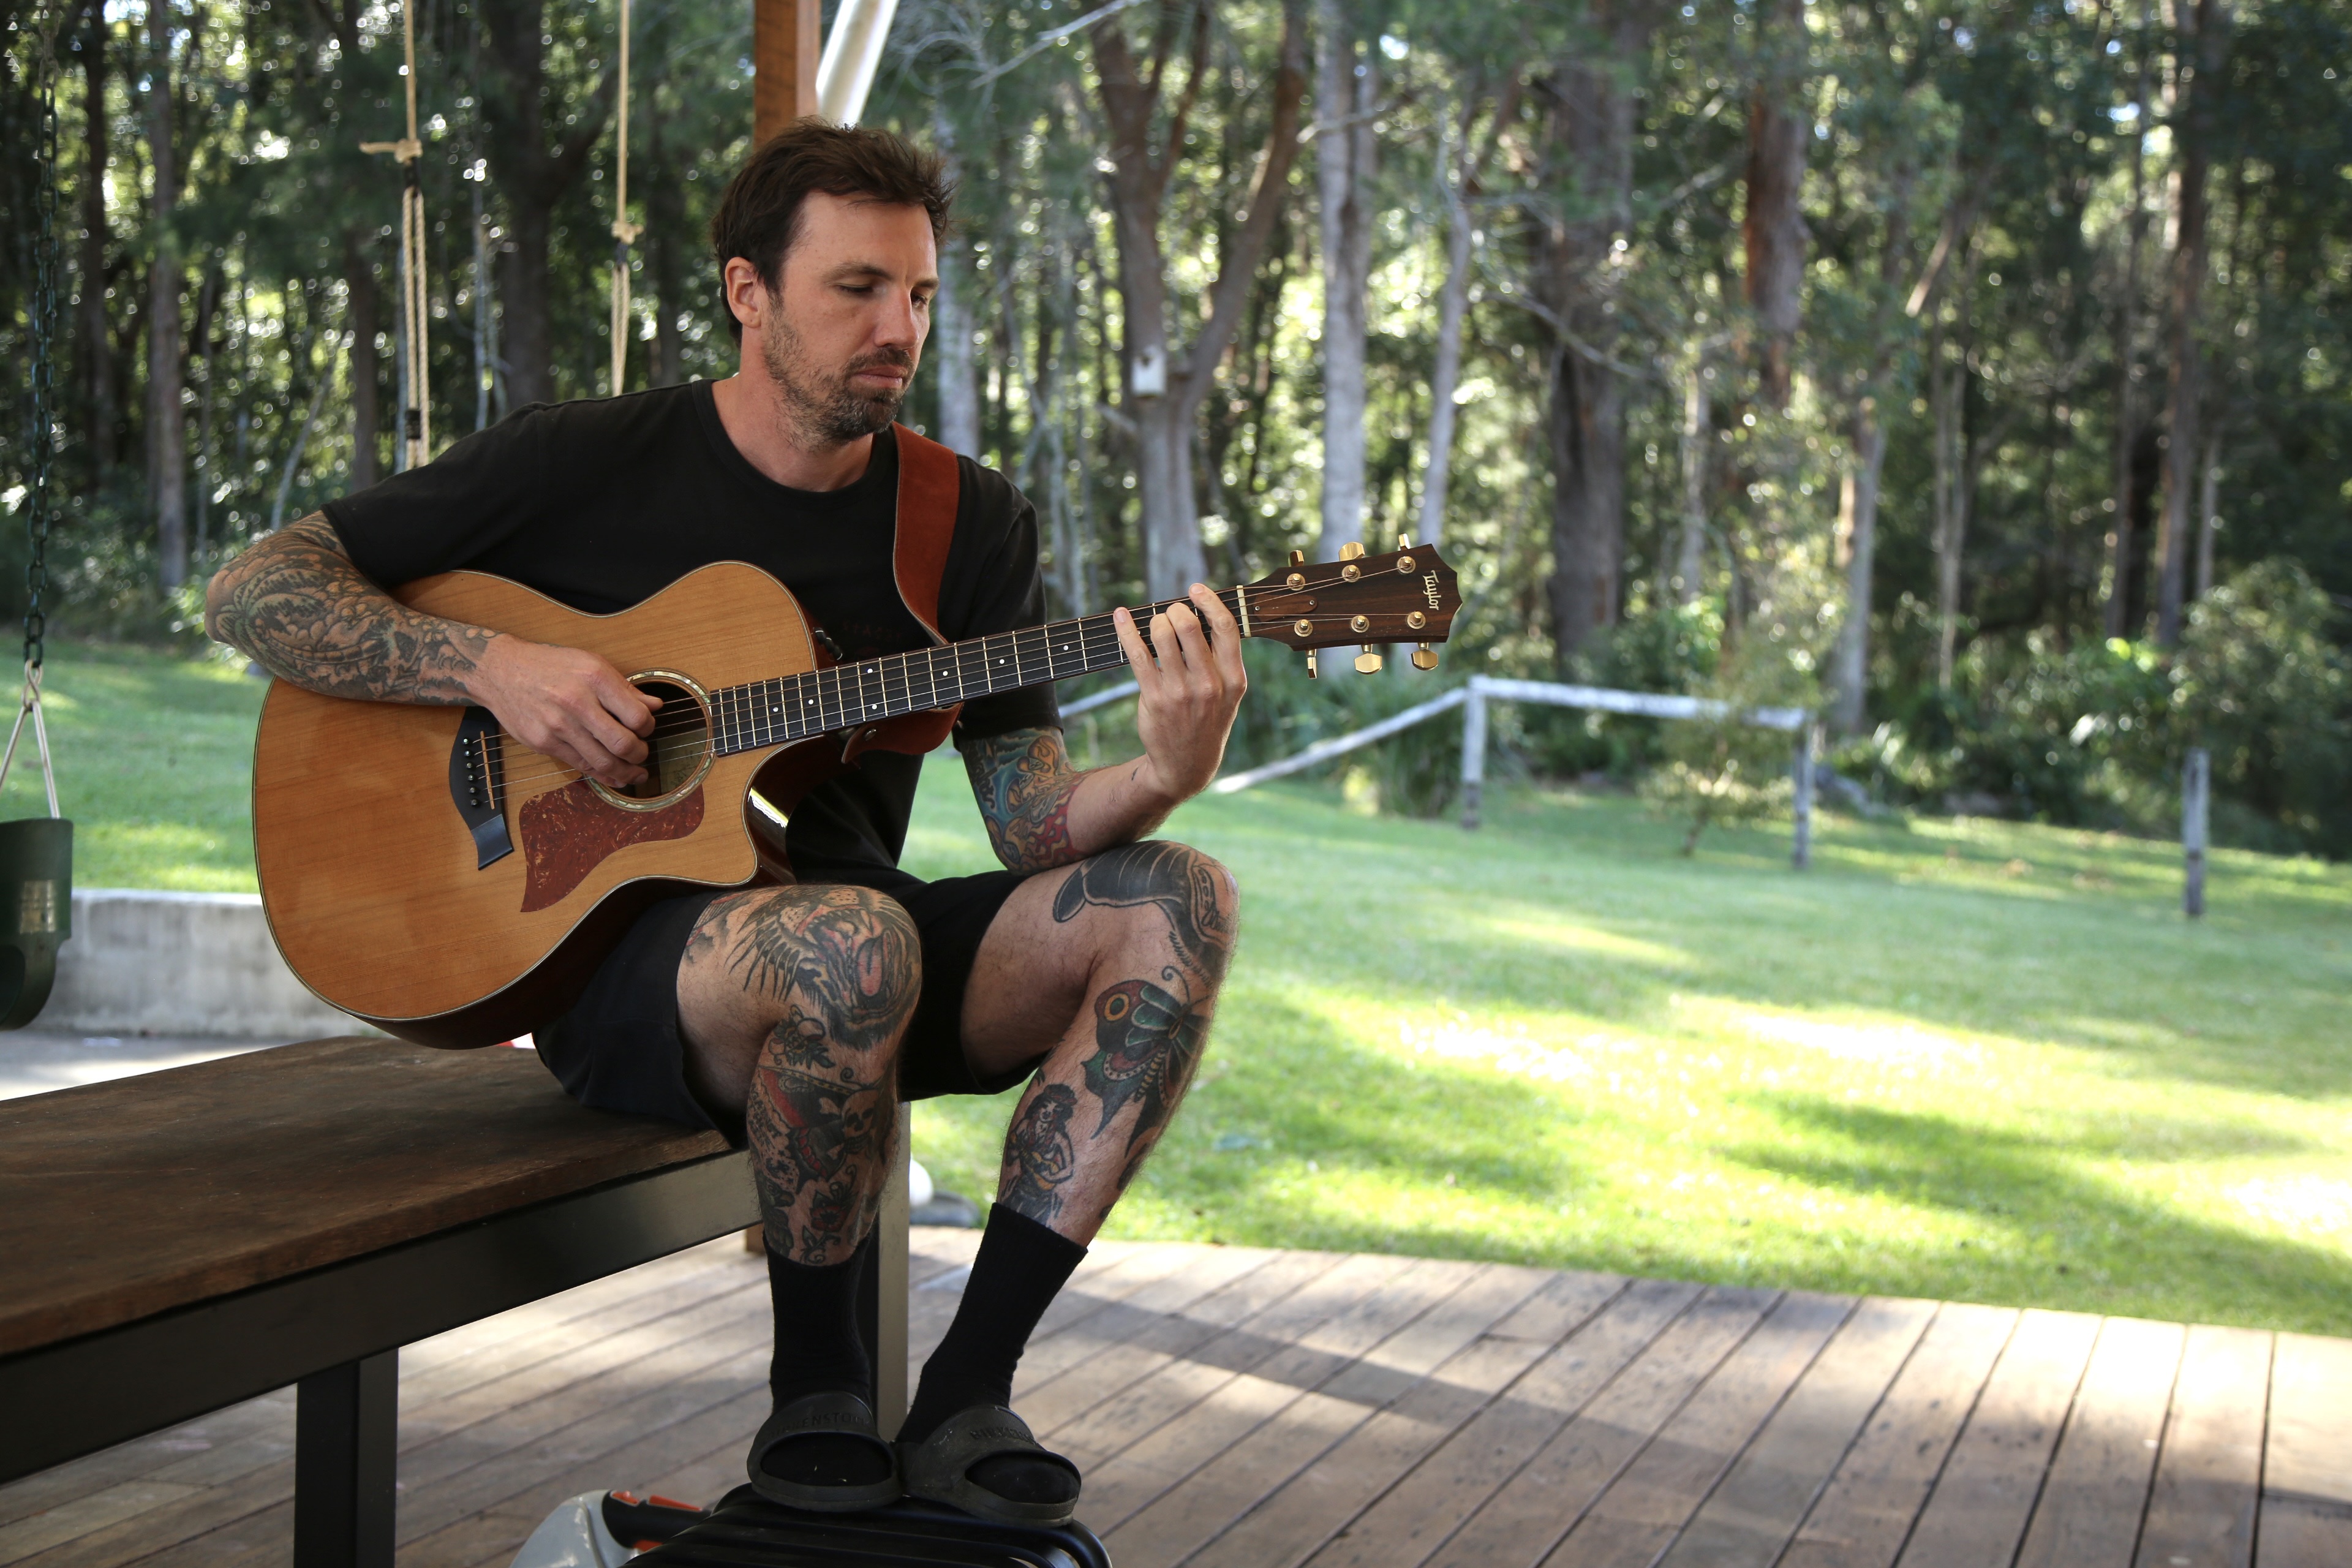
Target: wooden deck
[1233,1407]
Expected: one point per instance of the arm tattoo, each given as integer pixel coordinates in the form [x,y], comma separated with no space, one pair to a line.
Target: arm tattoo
[1023,782]
[298,607]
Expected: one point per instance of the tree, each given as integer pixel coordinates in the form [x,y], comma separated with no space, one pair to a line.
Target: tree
[1347,154]
[1582,207]
[167,421]
[1773,230]
[2195,131]
[1165,381]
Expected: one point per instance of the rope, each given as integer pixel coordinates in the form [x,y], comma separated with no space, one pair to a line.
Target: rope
[415,422]
[624,233]
[42,435]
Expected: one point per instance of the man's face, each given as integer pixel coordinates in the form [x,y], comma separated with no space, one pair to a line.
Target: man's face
[843,336]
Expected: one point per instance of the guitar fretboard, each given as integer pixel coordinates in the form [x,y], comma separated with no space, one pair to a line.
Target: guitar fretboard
[794,707]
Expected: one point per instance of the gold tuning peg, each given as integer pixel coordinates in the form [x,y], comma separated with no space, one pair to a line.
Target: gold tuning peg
[1352,551]
[1311,672]
[1424,657]
[1369,662]
[1404,542]
[1298,558]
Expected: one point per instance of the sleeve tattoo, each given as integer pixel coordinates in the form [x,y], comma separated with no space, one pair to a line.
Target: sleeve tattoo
[297,606]
[1023,782]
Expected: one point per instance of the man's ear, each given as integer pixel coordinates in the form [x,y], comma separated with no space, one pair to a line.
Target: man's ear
[747,292]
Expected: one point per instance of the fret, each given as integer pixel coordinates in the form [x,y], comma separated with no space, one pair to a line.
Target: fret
[808,714]
[827,684]
[763,713]
[723,720]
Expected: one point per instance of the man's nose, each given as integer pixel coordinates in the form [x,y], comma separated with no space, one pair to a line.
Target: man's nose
[901,325]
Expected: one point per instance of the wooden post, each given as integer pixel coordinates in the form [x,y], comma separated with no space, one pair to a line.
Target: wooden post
[1800,854]
[1473,751]
[783,64]
[2196,800]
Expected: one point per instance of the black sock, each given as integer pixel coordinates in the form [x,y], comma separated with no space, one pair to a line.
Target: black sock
[818,1350]
[1022,1267]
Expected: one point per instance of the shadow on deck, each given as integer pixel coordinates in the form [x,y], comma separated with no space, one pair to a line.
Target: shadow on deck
[1234,1407]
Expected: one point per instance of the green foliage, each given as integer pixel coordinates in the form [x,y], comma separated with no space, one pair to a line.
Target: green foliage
[1721,770]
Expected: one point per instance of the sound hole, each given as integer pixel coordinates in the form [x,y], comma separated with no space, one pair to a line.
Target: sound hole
[679,744]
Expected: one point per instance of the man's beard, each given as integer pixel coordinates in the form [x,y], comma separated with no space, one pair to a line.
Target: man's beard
[826,406]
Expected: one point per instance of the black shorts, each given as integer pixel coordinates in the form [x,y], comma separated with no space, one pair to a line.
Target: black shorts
[619,1049]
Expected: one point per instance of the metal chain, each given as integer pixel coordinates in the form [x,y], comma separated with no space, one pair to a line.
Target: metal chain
[44,331]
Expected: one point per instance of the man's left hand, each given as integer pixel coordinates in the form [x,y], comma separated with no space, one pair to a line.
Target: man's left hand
[1190,681]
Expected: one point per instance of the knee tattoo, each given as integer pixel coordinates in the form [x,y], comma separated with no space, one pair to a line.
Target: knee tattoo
[847,964]
[1193,892]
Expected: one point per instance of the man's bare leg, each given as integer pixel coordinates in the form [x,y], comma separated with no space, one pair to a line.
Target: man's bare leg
[792,1003]
[1111,968]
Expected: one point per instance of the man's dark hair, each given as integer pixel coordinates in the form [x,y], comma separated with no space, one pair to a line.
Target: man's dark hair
[758,217]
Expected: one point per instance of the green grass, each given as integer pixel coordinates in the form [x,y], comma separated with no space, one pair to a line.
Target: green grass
[153,756]
[1961,1060]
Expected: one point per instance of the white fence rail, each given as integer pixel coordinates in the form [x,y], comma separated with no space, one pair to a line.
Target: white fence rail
[1481,689]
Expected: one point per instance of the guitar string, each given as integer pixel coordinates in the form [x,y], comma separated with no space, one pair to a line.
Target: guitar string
[1101,638]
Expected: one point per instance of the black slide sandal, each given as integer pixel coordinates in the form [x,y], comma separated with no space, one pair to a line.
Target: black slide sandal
[825,1415]
[938,1469]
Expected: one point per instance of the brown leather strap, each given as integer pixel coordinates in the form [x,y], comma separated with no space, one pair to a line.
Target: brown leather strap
[930,483]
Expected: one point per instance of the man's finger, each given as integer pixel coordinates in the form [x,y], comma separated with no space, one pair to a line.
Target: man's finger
[1191,641]
[1225,635]
[608,736]
[1139,657]
[625,702]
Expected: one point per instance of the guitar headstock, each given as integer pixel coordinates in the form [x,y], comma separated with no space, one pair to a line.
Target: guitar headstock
[1405,596]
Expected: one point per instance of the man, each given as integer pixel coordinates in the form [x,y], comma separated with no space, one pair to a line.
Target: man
[794,1017]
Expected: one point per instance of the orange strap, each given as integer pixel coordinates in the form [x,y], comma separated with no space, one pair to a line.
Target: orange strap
[931,484]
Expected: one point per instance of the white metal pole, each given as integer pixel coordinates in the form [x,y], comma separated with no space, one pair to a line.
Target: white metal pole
[2196,801]
[1801,853]
[853,52]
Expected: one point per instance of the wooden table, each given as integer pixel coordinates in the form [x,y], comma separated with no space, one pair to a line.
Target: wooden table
[186,1239]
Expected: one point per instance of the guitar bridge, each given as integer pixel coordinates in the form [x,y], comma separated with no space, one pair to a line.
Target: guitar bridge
[478,784]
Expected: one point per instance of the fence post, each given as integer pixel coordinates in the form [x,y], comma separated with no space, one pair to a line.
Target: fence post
[1800,853]
[2196,798]
[1473,751]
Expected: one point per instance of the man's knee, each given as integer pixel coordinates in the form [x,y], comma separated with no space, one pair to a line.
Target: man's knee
[843,963]
[1159,887]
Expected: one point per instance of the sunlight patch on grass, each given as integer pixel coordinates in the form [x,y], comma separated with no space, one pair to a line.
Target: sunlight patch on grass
[1573,936]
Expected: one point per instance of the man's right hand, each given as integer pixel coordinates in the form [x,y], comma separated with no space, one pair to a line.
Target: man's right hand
[568,704]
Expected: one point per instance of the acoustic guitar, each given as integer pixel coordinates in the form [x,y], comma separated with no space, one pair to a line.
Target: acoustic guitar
[432,875]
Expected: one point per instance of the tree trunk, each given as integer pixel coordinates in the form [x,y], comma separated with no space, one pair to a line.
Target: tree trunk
[533,177]
[1697,455]
[1445,376]
[2120,543]
[1588,112]
[2195,133]
[101,398]
[366,301]
[1857,540]
[951,319]
[1164,388]
[167,421]
[1345,151]
[1772,225]
[2209,508]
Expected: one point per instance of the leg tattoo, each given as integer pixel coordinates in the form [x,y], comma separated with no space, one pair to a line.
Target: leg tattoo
[1183,882]
[842,966]
[1038,1159]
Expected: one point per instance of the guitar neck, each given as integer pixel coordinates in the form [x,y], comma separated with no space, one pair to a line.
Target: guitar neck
[794,707]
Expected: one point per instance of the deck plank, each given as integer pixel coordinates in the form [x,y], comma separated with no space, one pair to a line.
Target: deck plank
[1976,1516]
[1528,1514]
[2208,1474]
[1864,1516]
[1752,1516]
[2307,1518]
[2095,1492]
[1638,1517]
[1244,1408]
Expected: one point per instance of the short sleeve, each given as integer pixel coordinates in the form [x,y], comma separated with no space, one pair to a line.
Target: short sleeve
[447,514]
[995,584]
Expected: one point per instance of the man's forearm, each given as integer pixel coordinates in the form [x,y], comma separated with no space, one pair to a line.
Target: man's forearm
[298,607]
[1041,812]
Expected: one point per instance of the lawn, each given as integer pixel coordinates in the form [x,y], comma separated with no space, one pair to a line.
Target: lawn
[1963,1059]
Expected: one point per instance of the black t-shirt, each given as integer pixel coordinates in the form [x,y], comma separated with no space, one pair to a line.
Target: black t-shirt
[601,505]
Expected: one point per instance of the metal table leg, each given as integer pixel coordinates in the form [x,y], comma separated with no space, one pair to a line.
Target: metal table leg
[346,1428]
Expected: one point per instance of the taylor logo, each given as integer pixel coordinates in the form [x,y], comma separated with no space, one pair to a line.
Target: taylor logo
[1429,587]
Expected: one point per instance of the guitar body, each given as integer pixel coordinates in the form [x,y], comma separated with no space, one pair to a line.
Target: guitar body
[372,879]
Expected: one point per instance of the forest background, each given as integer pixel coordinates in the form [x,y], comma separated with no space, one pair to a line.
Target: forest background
[1975,369]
